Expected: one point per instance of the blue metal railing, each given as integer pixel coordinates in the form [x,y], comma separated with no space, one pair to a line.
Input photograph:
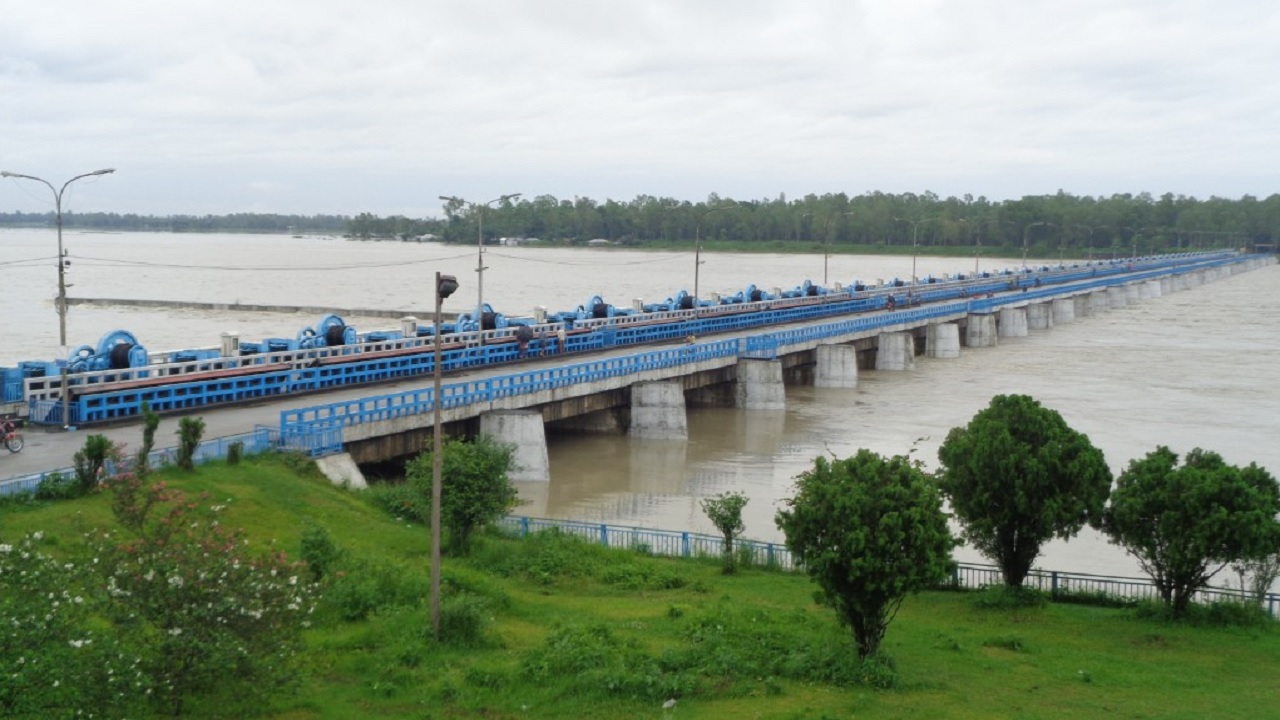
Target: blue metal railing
[416,402]
[260,439]
[675,543]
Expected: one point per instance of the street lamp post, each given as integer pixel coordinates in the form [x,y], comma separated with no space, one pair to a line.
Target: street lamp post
[697,254]
[62,274]
[1090,228]
[915,225]
[480,268]
[1025,232]
[826,245]
[445,286]
[1133,239]
[977,240]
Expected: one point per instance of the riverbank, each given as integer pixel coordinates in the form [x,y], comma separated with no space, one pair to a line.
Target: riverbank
[570,629]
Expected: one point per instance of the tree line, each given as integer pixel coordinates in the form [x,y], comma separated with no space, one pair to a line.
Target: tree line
[236,222]
[1043,224]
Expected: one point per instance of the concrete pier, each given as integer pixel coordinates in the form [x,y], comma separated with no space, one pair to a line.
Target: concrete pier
[980,331]
[1133,293]
[658,411]
[524,430]
[1063,311]
[1117,297]
[1152,289]
[942,340]
[1039,316]
[1099,302]
[895,351]
[760,385]
[1013,322]
[837,366]
[1081,304]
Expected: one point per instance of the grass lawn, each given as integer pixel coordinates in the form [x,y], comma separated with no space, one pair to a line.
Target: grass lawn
[551,627]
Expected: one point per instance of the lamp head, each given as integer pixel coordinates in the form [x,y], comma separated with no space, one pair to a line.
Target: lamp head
[447,286]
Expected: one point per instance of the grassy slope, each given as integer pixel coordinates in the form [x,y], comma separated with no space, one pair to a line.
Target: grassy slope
[953,660]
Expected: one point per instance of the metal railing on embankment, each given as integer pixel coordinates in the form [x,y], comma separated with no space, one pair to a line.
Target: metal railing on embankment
[261,439]
[969,576]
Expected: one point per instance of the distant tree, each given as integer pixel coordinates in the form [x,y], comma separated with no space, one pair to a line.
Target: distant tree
[868,530]
[725,512]
[1258,575]
[1017,476]
[1185,523]
[476,490]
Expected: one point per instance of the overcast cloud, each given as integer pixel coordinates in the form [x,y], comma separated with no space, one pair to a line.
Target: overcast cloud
[319,106]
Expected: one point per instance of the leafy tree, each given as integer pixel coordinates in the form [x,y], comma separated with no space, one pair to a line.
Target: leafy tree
[150,422]
[475,491]
[868,530]
[1017,476]
[725,512]
[190,431]
[1185,523]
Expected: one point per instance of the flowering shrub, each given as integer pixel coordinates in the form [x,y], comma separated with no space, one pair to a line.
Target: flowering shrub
[53,660]
[217,619]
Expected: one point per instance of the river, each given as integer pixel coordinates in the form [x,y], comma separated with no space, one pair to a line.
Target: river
[1191,369]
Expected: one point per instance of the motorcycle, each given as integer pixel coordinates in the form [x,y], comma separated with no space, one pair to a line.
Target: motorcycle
[11,438]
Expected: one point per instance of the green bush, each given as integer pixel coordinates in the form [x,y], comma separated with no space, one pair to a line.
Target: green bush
[234,452]
[464,620]
[400,501]
[91,460]
[319,552]
[594,662]
[1094,598]
[546,557]
[1004,597]
[57,486]
[1220,614]
[878,671]
[640,576]
[362,587]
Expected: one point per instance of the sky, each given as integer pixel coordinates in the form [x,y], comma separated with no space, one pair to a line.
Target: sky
[381,106]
